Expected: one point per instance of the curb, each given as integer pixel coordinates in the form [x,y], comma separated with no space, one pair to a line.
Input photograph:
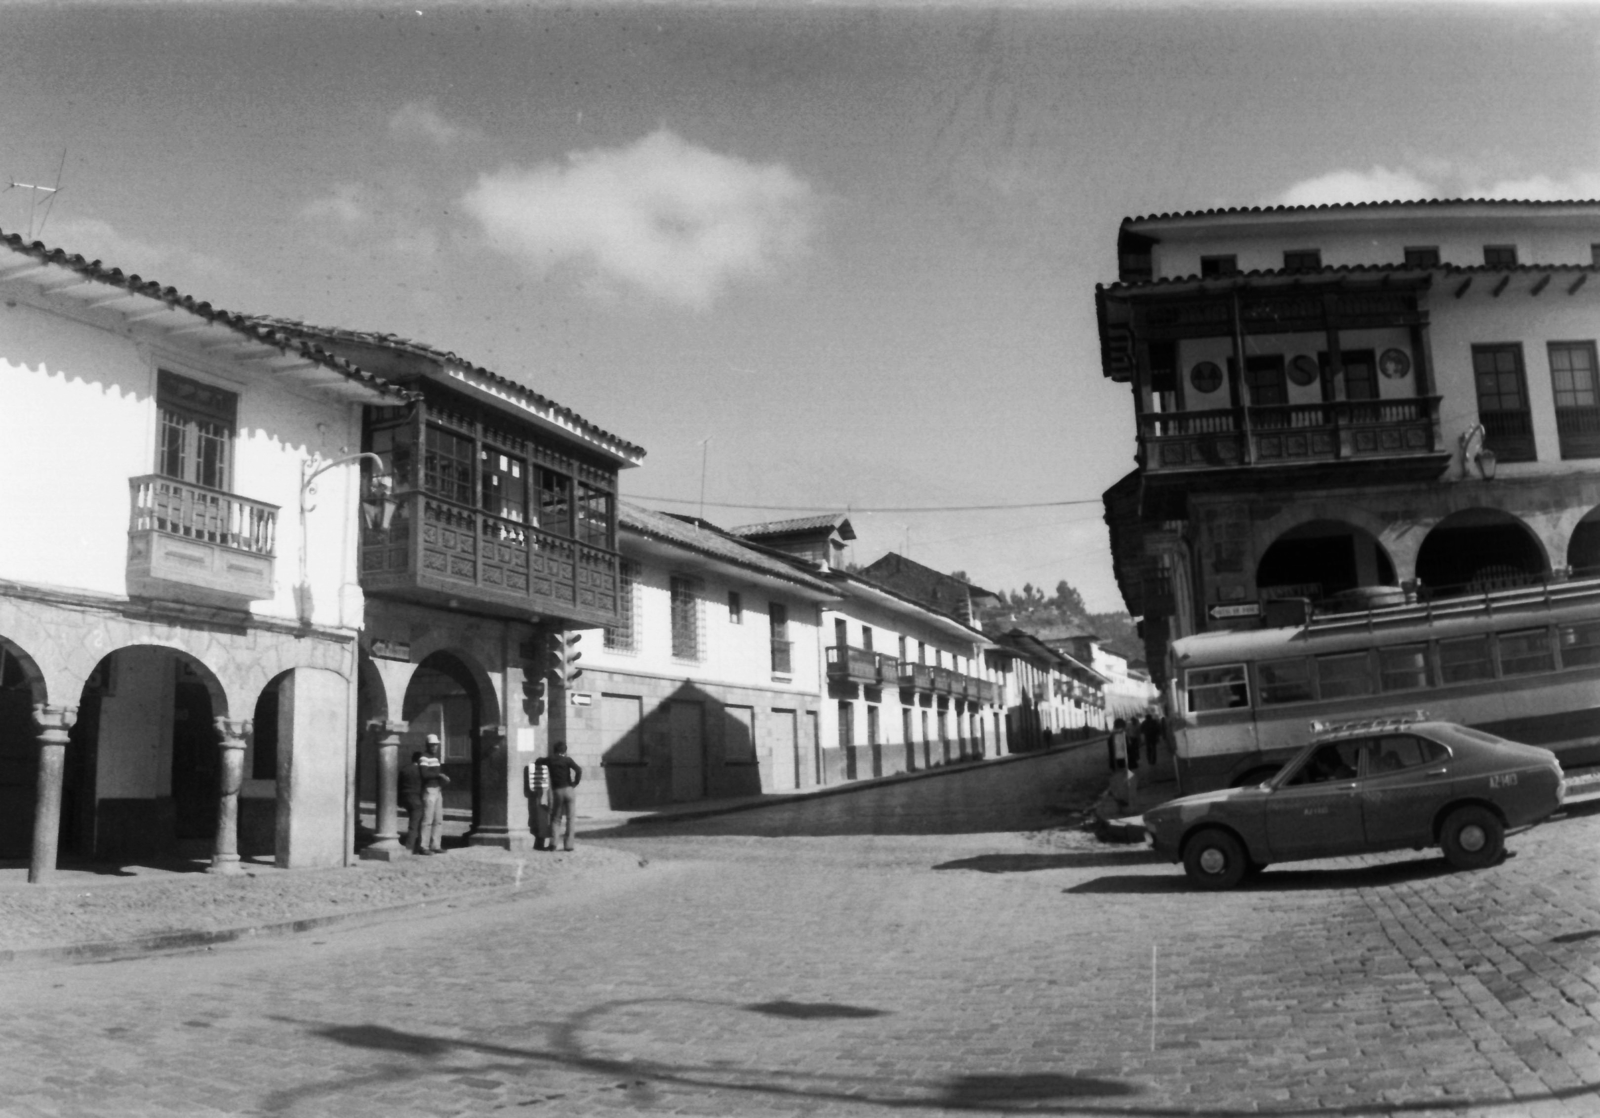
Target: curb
[107,951]
[845,789]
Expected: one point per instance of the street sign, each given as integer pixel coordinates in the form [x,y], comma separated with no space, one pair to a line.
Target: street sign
[1237,609]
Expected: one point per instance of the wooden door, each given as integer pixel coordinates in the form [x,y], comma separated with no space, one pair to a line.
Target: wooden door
[688,724]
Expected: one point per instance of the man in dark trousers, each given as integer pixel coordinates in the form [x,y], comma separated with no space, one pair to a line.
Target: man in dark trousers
[434,782]
[411,796]
[565,773]
[1152,732]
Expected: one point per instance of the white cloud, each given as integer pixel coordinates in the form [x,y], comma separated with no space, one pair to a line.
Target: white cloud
[1434,178]
[172,265]
[662,216]
[422,119]
[1380,184]
[374,218]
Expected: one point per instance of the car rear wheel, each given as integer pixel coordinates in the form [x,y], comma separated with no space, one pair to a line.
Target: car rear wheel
[1214,859]
[1473,837]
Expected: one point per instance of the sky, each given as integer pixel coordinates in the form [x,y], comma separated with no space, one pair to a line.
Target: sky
[810,257]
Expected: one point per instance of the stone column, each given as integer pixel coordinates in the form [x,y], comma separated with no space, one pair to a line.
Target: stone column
[386,845]
[53,724]
[491,825]
[232,734]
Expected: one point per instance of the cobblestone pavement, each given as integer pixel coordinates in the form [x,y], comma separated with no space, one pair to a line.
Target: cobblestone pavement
[763,974]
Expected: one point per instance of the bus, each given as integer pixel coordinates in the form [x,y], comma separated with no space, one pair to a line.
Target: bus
[1523,664]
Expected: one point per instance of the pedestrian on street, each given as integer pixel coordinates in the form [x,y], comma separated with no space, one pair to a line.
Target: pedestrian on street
[565,773]
[411,793]
[434,782]
[1151,731]
[1117,746]
[538,808]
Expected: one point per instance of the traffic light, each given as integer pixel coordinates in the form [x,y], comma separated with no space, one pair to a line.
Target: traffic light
[564,657]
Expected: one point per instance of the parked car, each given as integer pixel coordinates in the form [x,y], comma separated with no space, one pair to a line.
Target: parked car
[1363,787]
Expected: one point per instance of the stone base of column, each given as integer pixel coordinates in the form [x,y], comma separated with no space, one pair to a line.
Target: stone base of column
[387,851]
[224,863]
[502,839]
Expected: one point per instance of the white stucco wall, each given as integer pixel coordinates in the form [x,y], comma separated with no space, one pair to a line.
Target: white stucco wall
[78,420]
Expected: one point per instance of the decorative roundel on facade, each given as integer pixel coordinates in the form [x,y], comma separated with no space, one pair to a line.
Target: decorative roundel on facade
[1303,370]
[1394,363]
[1206,376]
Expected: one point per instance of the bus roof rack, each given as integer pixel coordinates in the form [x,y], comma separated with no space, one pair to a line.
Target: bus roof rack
[1387,722]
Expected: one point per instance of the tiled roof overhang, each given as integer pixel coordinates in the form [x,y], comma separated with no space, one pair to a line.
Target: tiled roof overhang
[716,548]
[855,585]
[1332,277]
[835,521]
[485,382]
[1348,211]
[167,315]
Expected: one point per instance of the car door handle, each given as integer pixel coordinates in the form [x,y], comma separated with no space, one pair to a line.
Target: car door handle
[1432,774]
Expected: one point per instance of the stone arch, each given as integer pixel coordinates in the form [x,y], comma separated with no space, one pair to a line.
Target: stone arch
[1323,558]
[1583,546]
[450,693]
[1477,549]
[20,670]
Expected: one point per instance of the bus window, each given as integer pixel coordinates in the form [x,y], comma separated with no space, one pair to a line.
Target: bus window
[1403,667]
[1525,652]
[1217,688]
[1344,675]
[1580,645]
[1465,658]
[1284,681]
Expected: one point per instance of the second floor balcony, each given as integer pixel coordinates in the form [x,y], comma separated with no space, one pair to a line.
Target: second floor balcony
[849,664]
[438,552]
[1393,433]
[917,678]
[191,543]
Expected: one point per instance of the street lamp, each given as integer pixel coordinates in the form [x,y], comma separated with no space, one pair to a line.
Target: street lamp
[378,505]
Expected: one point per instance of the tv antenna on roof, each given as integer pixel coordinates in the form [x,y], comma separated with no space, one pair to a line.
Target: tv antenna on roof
[49,199]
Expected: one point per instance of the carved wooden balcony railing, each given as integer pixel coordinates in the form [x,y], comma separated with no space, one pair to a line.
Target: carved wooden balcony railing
[436,551]
[944,681]
[190,543]
[916,677]
[1290,434]
[987,693]
[852,665]
[888,671]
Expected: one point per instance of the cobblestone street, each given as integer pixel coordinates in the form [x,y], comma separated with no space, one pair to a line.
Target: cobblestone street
[747,973]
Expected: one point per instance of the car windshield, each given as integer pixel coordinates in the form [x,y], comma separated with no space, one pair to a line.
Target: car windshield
[1332,761]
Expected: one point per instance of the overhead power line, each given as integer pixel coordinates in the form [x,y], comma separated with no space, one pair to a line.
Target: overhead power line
[855,509]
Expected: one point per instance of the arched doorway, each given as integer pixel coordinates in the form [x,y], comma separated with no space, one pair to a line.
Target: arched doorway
[1475,550]
[443,698]
[1322,559]
[258,796]
[1583,549]
[20,689]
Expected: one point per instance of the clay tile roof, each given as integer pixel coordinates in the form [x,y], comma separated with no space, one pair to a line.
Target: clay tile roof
[1335,207]
[446,357]
[713,543]
[834,521]
[256,329]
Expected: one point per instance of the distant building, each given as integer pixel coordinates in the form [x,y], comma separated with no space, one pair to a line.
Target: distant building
[932,588]
[1352,405]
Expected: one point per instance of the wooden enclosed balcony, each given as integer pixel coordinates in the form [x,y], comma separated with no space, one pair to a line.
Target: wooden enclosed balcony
[443,553]
[944,681]
[849,664]
[916,677]
[984,691]
[190,543]
[1343,431]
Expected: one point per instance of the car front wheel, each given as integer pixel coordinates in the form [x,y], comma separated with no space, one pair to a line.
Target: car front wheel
[1473,837]
[1214,859]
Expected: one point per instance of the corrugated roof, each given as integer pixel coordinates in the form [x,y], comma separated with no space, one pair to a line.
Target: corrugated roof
[837,520]
[256,329]
[1341,207]
[713,543]
[447,357]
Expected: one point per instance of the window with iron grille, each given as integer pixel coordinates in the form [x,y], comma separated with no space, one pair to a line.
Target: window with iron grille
[1500,256]
[623,636]
[1577,392]
[735,608]
[1503,401]
[196,430]
[686,637]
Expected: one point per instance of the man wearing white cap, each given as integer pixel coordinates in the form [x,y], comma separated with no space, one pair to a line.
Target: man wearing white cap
[434,782]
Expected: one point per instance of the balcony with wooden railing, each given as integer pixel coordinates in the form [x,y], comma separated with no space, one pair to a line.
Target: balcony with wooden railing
[888,670]
[1291,434]
[439,552]
[917,678]
[944,680]
[849,664]
[190,543]
[984,691]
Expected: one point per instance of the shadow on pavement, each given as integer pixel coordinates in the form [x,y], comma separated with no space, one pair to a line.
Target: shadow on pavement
[1030,863]
[488,1066]
[1280,880]
[813,1010]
